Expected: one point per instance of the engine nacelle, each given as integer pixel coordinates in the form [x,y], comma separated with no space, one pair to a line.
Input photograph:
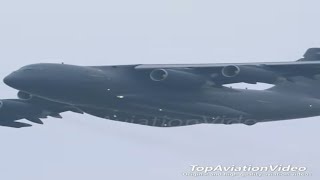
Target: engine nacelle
[24,95]
[178,78]
[230,71]
[249,74]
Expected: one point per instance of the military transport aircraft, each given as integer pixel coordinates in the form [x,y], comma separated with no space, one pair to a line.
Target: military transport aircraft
[166,95]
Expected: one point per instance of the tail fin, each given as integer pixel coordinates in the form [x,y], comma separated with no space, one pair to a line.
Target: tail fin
[312,54]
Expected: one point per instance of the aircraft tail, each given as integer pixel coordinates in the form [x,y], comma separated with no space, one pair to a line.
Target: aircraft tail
[312,54]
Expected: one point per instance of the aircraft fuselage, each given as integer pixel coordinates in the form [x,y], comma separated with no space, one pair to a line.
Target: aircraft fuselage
[123,88]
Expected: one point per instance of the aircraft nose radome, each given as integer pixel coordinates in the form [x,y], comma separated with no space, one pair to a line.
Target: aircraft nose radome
[12,80]
[8,80]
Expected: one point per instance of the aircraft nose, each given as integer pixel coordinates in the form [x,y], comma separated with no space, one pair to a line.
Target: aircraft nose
[10,79]
[15,80]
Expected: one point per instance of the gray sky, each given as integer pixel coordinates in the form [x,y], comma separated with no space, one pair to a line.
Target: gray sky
[143,31]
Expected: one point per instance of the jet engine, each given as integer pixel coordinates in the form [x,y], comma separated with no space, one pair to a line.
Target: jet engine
[249,74]
[230,71]
[24,95]
[177,78]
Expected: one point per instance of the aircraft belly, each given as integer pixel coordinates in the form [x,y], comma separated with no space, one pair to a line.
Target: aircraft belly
[268,105]
[238,106]
[185,112]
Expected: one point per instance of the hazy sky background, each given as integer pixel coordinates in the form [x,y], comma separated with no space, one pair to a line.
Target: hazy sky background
[142,31]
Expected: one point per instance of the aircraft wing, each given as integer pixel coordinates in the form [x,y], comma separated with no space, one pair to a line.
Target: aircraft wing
[268,72]
[221,65]
[33,109]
